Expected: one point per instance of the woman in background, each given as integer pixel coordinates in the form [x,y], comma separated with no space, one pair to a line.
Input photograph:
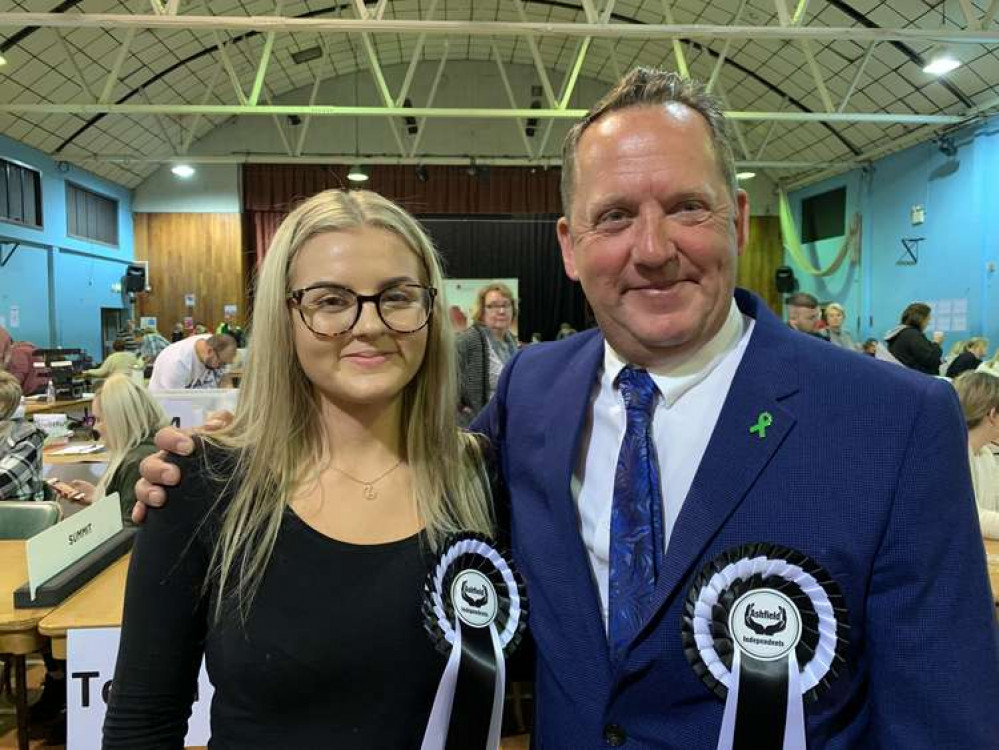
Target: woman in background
[972,354]
[126,417]
[835,315]
[485,348]
[908,344]
[979,395]
[119,361]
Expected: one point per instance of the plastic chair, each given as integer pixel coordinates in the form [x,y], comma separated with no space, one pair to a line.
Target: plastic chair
[24,520]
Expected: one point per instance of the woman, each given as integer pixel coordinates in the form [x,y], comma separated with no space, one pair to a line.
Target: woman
[20,447]
[908,345]
[126,417]
[485,348]
[835,315]
[119,361]
[970,358]
[294,551]
[979,395]
[18,358]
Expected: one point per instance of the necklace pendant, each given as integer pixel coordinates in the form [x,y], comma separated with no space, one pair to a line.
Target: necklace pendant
[370,493]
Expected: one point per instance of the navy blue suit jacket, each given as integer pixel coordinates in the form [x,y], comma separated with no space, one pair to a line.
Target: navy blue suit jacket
[864,469]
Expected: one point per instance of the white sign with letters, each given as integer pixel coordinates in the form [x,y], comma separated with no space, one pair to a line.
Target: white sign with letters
[58,547]
[91,655]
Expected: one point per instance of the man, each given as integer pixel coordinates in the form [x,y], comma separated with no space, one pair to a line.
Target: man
[152,344]
[195,362]
[653,227]
[803,313]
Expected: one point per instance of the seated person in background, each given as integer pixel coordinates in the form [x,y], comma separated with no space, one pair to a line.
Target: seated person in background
[195,362]
[564,331]
[870,347]
[200,329]
[127,418]
[908,344]
[152,344]
[20,448]
[803,313]
[970,358]
[18,358]
[835,315]
[955,350]
[119,361]
[179,334]
[991,367]
[979,395]
[230,327]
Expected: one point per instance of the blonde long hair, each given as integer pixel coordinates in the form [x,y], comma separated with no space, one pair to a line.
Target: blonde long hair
[10,399]
[276,435]
[131,417]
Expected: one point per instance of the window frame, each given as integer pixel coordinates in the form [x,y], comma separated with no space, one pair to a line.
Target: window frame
[70,185]
[39,203]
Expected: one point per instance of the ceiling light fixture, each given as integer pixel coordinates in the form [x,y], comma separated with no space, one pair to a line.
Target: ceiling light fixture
[3,61]
[306,55]
[357,173]
[183,171]
[745,175]
[940,61]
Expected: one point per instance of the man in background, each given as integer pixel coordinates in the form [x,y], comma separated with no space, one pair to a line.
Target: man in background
[152,344]
[803,314]
[194,362]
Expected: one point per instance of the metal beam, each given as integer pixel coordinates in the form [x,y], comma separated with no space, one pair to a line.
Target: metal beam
[81,79]
[230,110]
[265,60]
[681,61]
[990,14]
[351,158]
[971,19]
[820,83]
[539,65]
[857,76]
[414,61]
[422,125]
[716,70]
[227,64]
[159,122]
[112,78]
[327,58]
[376,72]
[204,100]
[519,123]
[530,29]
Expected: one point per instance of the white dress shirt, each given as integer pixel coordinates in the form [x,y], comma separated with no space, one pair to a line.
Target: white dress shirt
[691,394]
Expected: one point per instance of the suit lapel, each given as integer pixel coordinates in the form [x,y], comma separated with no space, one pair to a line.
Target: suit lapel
[570,398]
[735,456]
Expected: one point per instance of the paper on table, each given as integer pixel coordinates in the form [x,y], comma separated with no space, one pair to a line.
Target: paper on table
[79,450]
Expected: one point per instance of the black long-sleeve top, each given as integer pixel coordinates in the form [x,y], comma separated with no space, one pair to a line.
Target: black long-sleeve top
[332,654]
[910,347]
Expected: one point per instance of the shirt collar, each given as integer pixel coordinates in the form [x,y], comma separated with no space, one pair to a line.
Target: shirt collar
[677,377]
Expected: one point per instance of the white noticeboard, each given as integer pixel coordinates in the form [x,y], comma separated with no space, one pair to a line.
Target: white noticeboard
[90,661]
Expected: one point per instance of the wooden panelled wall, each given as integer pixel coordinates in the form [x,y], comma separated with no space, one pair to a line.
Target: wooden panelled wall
[199,254]
[763,254]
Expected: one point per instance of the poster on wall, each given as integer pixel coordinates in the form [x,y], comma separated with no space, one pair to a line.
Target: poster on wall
[229,311]
[14,318]
[147,321]
[189,300]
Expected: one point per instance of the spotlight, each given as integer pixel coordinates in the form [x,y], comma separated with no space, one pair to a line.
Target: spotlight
[422,174]
[411,127]
[357,173]
[306,55]
[183,171]
[294,120]
[946,145]
[532,122]
[744,176]
[3,61]
[940,61]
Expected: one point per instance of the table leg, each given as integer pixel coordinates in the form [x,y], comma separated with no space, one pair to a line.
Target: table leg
[21,700]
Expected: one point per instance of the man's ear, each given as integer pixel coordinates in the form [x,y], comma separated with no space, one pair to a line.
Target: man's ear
[568,246]
[741,220]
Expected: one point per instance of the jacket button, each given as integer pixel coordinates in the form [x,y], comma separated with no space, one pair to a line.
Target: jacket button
[614,735]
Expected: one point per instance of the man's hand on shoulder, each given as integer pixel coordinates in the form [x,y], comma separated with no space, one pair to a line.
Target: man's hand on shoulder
[158,473]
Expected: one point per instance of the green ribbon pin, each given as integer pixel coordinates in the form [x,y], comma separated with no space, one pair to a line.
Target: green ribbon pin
[762,422]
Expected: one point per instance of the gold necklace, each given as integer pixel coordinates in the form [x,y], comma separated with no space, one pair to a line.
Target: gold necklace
[369,491]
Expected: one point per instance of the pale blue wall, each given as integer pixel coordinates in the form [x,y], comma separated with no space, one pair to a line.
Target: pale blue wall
[60,283]
[961,230]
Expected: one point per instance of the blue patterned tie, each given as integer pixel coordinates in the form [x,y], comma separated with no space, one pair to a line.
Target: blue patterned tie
[636,533]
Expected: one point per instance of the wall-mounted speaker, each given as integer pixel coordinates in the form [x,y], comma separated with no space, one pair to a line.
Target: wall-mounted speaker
[135,279]
[785,280]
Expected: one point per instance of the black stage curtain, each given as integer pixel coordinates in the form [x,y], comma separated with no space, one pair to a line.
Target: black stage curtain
[521,247]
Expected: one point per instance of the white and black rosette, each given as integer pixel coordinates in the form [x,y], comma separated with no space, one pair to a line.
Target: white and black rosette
[764,627]
[475,611]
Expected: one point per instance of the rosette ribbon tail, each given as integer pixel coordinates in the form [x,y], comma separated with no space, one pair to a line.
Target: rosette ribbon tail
[763,710]
[468,709]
